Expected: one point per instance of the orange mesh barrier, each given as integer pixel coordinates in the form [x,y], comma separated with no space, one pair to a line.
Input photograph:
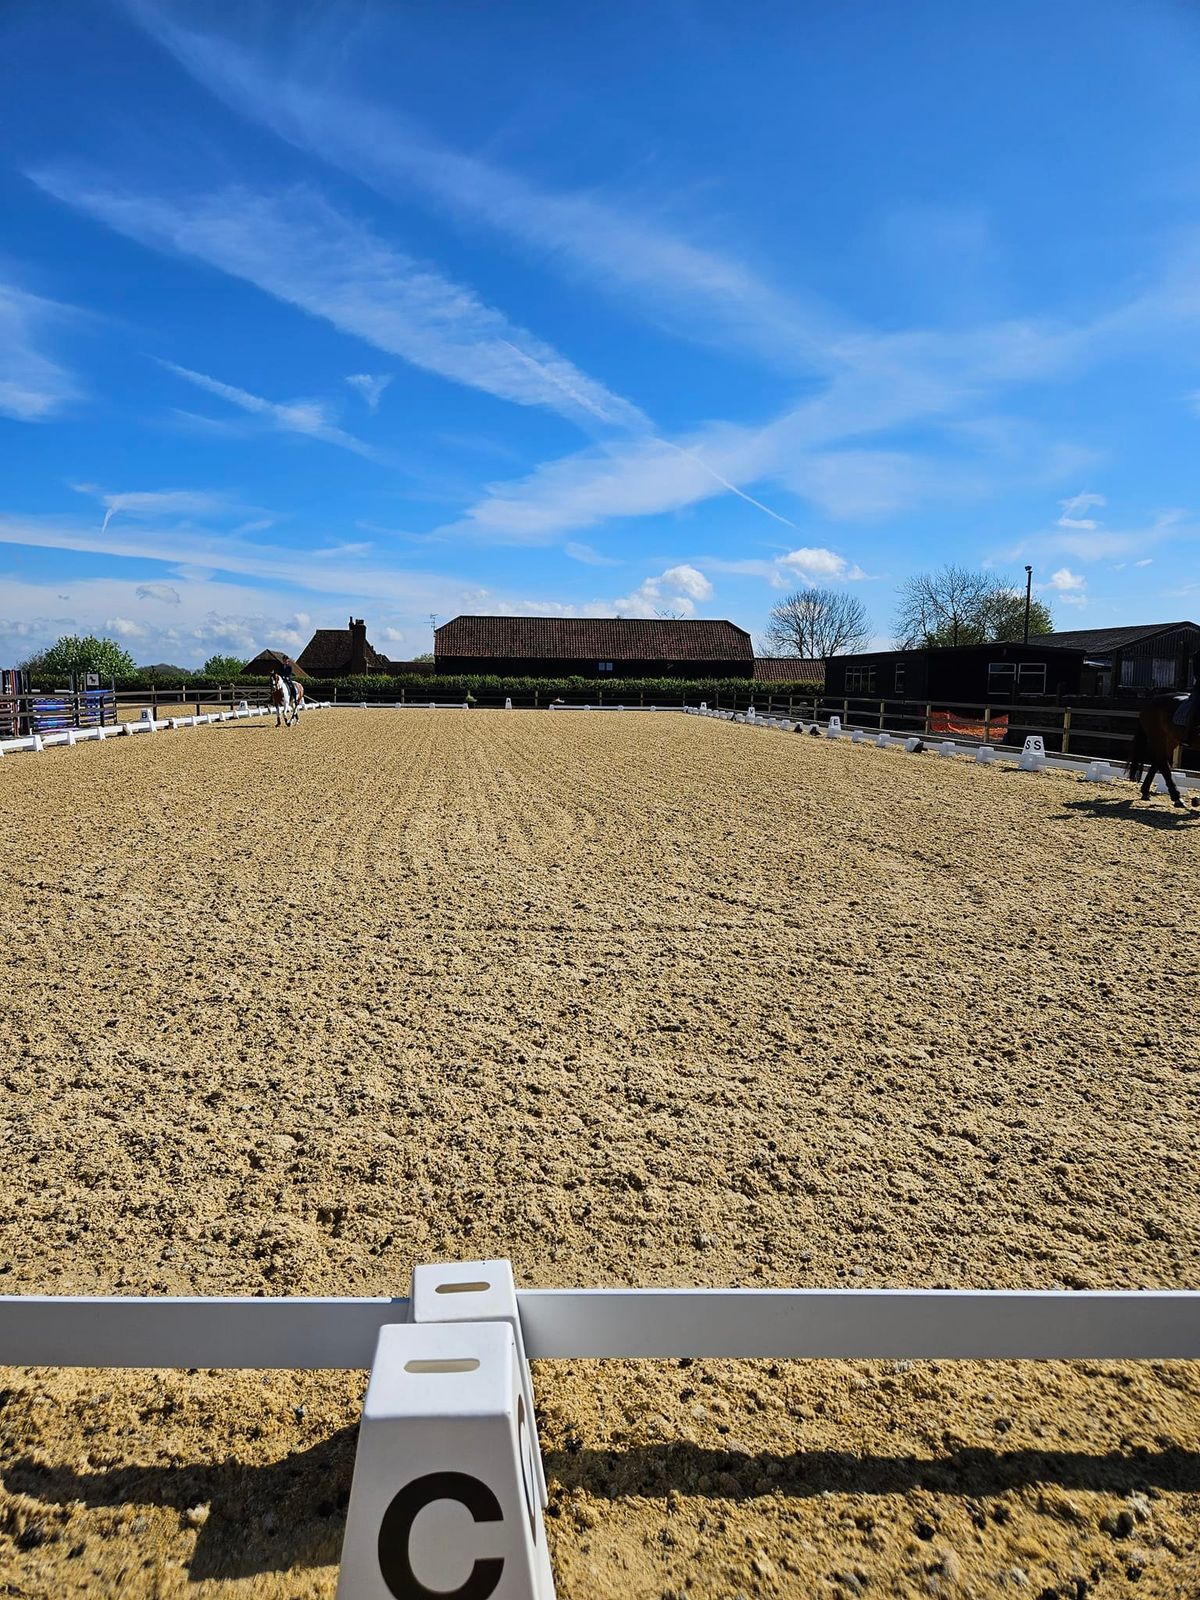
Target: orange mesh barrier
[986,732]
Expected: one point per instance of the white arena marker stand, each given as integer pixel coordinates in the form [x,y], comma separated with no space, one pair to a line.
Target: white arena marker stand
[704,705]
[508,705]
[444,1501]
[1033,754]
[834,729]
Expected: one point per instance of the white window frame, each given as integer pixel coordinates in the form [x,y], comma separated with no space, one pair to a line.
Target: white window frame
[604,666]
[1027,671]
[998,670]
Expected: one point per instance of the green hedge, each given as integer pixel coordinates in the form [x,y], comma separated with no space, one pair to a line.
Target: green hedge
[434,686]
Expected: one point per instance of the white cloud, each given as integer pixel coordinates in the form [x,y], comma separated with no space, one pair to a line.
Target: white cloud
[607,242]
[154,503]
[297,247]
[818,563]
[1077,503]
[1145,562]
[589,557]
[306,417]
[33,388]
[370,386]
[1068,588]
[678,589]
[158,591]
[1064,580]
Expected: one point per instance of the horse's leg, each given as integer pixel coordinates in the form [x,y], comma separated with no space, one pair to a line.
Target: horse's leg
[1151,769]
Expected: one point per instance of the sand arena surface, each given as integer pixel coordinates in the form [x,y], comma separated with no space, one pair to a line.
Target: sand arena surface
[633,999]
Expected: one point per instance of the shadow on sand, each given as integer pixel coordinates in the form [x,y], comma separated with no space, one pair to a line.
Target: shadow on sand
[292,1512]
[1155,813]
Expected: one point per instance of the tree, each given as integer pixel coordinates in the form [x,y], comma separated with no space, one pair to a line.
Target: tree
[1005,618]
[957,606]
[817,624]
[222,668]
[72,656]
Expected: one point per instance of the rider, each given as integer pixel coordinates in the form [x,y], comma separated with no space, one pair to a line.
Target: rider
[1188,710]
[287,673]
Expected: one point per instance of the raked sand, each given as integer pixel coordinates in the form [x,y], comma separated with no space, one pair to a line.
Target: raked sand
[631,1000]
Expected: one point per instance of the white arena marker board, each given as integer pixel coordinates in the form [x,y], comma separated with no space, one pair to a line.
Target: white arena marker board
[449,1413]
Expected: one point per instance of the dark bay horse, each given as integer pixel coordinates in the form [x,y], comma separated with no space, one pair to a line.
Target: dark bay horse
[1155,741]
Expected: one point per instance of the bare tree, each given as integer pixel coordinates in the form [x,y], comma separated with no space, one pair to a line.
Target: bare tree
[942,607]
[817,624]
[957,606]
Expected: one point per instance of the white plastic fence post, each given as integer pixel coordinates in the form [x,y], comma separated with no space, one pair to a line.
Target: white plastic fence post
[475,1291]
[984,754]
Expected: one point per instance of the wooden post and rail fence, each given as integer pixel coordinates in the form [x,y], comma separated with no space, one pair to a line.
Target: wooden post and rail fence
[1078,729]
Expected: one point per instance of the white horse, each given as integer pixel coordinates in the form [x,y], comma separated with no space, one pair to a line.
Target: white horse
[286,709]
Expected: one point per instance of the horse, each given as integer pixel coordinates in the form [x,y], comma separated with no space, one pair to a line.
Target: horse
[285,708]
[1155,740]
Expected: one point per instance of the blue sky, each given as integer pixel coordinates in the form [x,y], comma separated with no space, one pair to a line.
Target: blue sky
[400,310]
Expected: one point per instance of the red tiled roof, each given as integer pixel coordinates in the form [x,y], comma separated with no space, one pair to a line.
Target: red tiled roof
[330,650]
[788,669]
[593,639]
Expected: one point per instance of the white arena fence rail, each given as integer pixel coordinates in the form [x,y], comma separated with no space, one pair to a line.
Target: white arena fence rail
[1032,757]
[36,743]
[449,1411]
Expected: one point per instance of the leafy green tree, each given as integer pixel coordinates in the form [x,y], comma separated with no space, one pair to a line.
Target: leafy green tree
[1005,618]
[223,667]
[73,656]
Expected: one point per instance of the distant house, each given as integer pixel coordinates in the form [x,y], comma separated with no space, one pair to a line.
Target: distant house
[268,661]
[788,669]
[593,647]
[342,652]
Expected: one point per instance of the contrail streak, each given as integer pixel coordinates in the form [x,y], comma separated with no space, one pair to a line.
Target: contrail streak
[725,483]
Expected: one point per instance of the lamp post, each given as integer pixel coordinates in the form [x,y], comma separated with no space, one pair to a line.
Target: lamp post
[1028,595]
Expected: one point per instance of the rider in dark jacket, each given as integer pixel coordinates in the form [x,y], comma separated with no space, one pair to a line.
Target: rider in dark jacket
[1189,709]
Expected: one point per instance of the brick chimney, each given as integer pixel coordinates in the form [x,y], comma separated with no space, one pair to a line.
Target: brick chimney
[358,646]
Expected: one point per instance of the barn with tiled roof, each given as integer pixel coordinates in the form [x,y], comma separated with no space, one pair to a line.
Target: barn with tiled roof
[594,647]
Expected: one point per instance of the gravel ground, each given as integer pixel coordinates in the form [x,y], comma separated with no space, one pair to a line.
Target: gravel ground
[635,999]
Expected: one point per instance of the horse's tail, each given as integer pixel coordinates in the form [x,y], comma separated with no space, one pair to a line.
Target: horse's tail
[1141,749]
